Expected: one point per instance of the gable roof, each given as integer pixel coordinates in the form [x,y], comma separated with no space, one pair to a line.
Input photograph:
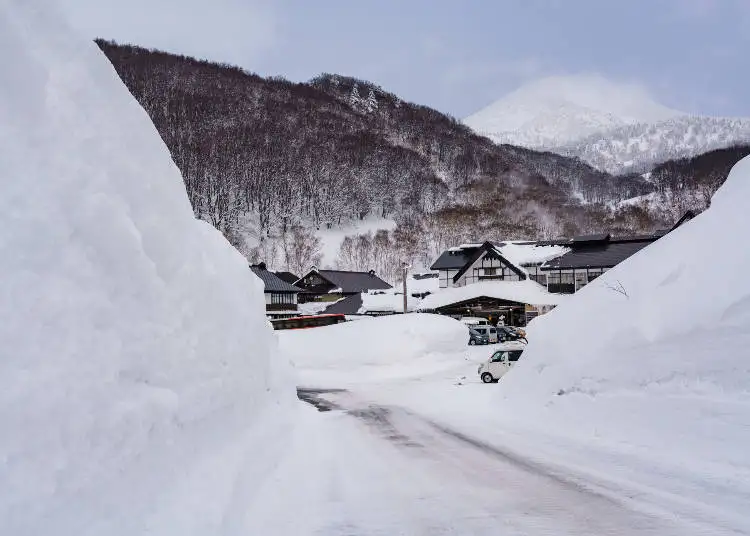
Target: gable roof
[289,277]
[353,282]
[272,282]
[454,258]
[491,250]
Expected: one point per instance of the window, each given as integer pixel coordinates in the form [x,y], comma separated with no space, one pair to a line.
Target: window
[581,279]
[498,356]
[561,282]
[515,354]
[282,298]
[490,271]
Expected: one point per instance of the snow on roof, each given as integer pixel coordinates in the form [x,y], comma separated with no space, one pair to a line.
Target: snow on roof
[469,246]
[387,302]
[528,291]
[419,284]
[525,253]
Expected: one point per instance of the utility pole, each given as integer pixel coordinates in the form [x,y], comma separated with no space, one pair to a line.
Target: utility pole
[404,267]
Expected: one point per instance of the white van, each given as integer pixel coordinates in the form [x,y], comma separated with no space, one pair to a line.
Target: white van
[497,365]
[475,321]
[489,331]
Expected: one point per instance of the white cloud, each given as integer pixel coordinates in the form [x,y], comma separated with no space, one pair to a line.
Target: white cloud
[233,31]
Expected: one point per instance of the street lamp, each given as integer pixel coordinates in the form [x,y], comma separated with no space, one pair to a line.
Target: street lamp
[404,267]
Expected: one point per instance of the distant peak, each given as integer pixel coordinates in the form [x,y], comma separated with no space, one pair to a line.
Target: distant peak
[557,110]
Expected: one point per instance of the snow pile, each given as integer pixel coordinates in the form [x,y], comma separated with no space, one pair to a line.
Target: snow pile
[387,347]
[136,358]
[654,354]
[527,292]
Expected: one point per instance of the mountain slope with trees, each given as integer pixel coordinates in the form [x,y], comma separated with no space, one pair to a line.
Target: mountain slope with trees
[269,162]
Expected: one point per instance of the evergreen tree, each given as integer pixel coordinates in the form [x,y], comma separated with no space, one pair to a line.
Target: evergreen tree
[372,102]
[354,99]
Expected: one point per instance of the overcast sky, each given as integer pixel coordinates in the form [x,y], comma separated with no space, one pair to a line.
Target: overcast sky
[456,56]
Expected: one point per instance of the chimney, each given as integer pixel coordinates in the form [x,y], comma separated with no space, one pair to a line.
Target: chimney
[262,266]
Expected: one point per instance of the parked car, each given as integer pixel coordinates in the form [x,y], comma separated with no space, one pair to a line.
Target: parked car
[498,365]
[505,334]
[477,338]
[489,331]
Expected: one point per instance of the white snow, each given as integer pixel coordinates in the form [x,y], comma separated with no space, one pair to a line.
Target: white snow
[527,292]
[137,364]
[615,127]
[331,239]
[627,414]
[520,253]
[559,110]
[387,301]
[393,346]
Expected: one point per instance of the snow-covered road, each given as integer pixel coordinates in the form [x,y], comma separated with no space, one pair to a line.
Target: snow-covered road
[359,468]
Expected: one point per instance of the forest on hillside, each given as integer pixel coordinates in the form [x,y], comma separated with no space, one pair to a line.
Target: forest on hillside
[270,162]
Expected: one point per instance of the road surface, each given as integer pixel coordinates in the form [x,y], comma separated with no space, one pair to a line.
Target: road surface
[357,468]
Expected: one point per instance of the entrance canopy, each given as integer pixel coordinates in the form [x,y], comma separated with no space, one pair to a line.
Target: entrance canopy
[521,293]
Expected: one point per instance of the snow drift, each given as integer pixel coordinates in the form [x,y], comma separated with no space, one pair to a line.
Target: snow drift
[135,353]
[653,359]
[387,347]
[680,309]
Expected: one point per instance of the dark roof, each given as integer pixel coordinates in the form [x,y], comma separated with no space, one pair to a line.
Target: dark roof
[354,282]
[348,306]
[453,259]
[272,282]
[589,239]
[289,277]
[554,242]
[599,255]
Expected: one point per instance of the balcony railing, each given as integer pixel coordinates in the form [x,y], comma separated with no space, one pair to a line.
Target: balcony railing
[281,307]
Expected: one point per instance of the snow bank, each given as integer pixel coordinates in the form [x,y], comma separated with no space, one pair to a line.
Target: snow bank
[654,355]
[136,359]
[388,347]
[528,291]
[670,307]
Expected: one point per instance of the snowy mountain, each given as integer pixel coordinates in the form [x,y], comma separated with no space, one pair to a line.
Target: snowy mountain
[560,110]
[263,158]
[636,148]
[137,363]
[617,128]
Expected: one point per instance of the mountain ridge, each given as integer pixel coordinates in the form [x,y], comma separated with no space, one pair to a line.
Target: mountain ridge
[274,165]
[617,128]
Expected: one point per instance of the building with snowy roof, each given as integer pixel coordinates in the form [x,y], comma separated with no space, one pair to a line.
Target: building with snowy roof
[332,285]
[281,297]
